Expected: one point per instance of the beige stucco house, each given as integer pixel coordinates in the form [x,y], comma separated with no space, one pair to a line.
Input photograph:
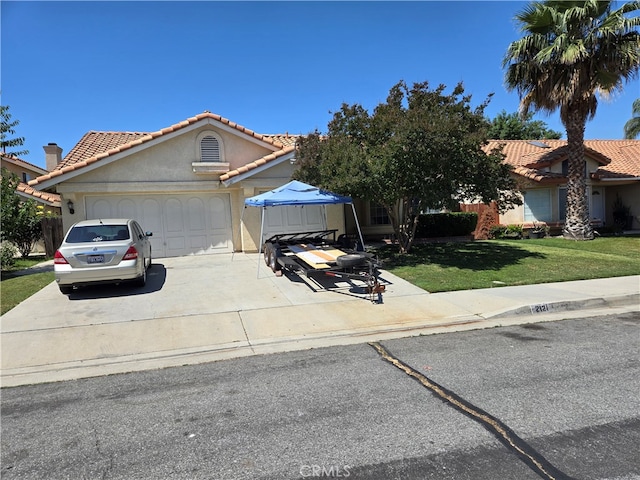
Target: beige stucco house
[612,171]
[25,172]
[185,183]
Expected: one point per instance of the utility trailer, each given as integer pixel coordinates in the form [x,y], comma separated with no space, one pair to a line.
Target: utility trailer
[319,254]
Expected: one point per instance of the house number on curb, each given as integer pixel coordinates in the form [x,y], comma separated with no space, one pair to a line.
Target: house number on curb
[540,308]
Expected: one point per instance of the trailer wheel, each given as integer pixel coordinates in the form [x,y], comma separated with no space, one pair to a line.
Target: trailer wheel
[351,260]
[267,252]
[274,253]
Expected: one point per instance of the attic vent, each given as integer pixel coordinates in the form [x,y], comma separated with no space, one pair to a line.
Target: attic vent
[538,143]
[209,149]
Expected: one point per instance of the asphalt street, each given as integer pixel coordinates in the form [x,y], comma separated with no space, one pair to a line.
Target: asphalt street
[566,391]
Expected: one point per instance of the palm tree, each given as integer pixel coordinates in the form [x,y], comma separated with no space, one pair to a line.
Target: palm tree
[573,51]
[632,127]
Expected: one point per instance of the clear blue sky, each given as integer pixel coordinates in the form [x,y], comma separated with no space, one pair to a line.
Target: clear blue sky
[274,67]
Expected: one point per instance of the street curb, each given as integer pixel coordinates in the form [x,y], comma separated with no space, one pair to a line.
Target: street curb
[194,356]
[565,306]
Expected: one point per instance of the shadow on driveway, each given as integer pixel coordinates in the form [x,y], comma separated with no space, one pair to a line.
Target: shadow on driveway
[156,277]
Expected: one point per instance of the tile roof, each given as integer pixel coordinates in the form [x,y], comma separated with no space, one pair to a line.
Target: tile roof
[94,143]
[95,146]
[52,199]
[287,140]
[258,163]
[27,165]
[617,158]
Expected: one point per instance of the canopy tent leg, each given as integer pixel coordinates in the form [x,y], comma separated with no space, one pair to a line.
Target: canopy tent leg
[355,216]
[261,240]
[244,207]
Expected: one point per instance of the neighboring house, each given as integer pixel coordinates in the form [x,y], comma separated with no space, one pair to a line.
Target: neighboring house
[612,171]
[49,201]
[26,172]
[185,183]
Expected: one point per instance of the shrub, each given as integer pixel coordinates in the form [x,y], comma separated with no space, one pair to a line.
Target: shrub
[506,231]
[7,255]
[453,224]
[497,231]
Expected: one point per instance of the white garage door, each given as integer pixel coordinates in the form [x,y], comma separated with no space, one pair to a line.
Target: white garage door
[293,219]
[185,224]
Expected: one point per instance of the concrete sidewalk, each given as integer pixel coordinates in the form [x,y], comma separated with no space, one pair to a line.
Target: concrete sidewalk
[207,308]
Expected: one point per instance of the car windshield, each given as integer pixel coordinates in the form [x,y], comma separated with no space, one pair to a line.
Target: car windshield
[97,233]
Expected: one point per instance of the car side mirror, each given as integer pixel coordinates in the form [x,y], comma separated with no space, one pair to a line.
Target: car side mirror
[149,234]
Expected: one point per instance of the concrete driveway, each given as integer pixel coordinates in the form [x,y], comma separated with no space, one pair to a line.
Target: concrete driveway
[204,308]
[191,286]
[190,305]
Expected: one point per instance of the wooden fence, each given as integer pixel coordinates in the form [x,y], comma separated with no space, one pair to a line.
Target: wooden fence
[487,217]
[52,234]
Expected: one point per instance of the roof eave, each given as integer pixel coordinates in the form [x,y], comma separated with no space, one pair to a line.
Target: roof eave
[244,175]
[58,176]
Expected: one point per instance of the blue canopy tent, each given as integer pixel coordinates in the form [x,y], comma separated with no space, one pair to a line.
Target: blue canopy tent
[298,193]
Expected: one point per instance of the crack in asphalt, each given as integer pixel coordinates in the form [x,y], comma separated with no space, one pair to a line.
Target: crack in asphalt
[501,431]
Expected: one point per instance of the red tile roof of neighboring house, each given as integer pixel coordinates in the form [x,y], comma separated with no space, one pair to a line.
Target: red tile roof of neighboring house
[617,158]
[95,146]
[286,139]
[94,143]
[27,165]
[51,198]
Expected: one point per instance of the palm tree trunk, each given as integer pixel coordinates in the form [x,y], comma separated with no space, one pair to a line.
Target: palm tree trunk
[577,225]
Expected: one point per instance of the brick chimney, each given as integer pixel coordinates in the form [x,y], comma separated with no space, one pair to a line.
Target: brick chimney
[52,155]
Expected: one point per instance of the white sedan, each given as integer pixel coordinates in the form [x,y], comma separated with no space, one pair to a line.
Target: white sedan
[103,251]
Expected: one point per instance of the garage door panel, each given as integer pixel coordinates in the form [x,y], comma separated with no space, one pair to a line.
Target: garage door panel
[291,219]
[189,224]
[175,246]
[101,209]
[173,215]
[126,208]
[151,221]
[197,215]
[294,216]
[313,216]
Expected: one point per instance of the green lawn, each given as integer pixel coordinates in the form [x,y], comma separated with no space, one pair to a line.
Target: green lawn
[14,289]
[463,266]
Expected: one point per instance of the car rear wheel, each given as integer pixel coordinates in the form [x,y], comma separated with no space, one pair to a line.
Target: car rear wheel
[141,281]
[65,290]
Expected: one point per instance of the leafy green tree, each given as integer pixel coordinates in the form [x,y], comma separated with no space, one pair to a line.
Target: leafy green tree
[572,51]
[9,203]
[420,149]
[21,219]
[512,126]
[632,127]
[7,129]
